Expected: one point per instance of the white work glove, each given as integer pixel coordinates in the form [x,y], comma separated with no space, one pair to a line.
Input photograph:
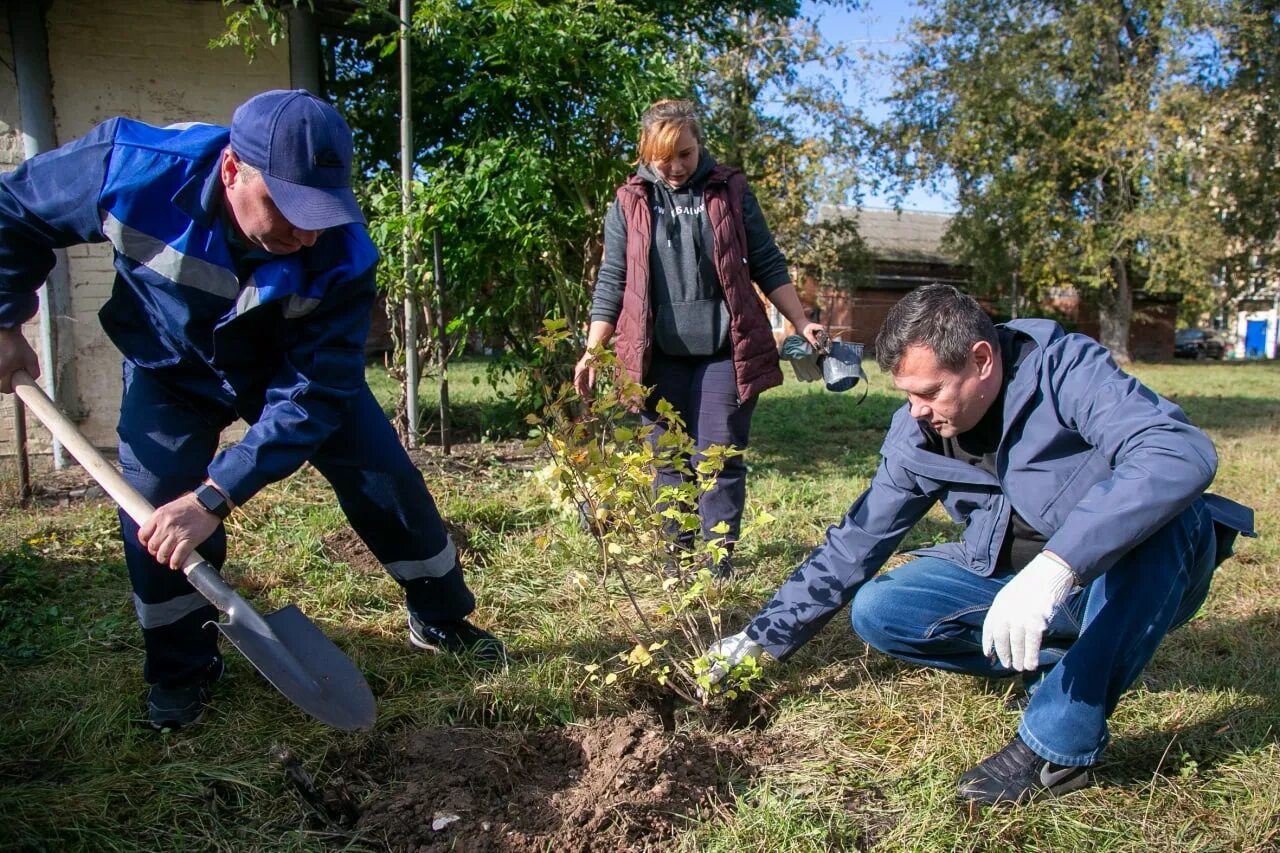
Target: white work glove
[1020,612]
[724,655]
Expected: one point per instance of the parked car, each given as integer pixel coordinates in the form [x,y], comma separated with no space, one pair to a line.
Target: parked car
[1198,344]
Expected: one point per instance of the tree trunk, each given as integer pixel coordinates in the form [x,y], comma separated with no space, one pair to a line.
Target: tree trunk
[395,367]
[1115,312]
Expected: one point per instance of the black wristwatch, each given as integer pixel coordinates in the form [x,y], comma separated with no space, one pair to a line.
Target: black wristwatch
[213,500]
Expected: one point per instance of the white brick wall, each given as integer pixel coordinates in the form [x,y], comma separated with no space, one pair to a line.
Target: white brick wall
[149,60]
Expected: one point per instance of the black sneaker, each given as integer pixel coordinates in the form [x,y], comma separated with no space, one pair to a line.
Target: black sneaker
[171,707]
[723,569]
[459,638]
[1016,775]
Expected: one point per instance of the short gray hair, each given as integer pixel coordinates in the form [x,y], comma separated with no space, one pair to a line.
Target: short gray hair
[245,168]
[939,317]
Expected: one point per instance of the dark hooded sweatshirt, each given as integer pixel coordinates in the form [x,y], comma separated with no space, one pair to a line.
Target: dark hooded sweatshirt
[690,317]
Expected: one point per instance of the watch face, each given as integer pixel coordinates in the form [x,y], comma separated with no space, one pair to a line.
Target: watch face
[212,500]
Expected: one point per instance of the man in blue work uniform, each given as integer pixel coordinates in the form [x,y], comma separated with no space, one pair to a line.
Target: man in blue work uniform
[1088,533]
[244,288]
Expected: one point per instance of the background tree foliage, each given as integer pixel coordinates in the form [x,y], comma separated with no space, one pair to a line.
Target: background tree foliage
[1070,129]
[1106,145]
[518,108]
[525,116]
[1241,145]
[776,99]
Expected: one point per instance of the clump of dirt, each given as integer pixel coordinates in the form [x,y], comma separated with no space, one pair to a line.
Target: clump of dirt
[610,784]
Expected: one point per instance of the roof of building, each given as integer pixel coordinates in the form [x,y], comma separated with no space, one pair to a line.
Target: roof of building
[896,235]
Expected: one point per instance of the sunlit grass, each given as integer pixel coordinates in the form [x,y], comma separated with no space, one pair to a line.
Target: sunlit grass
[874,746]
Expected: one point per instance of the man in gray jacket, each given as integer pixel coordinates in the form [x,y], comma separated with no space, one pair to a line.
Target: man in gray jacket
[1088,533]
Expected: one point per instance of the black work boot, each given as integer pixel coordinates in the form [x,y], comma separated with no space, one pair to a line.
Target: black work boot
[171,707]
[1017,775]
[459,637]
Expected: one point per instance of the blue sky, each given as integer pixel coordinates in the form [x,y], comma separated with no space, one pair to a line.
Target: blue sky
[875,28]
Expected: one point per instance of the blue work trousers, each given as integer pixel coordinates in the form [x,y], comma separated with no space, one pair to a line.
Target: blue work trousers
[704,391]
[930,612]
[168,436]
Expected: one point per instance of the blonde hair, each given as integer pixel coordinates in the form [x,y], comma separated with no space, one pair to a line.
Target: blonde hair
[661,126]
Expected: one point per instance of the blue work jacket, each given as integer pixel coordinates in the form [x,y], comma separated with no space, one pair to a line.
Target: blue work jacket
[279,338]
[1088,456]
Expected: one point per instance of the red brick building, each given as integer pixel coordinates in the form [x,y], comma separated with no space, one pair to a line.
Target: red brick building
[906,252]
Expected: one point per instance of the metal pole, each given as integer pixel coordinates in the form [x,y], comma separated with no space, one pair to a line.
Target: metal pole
[20,440]
[48,346]
[1013,309]
[304,51]
[35,105]
[406,197]
[446,438]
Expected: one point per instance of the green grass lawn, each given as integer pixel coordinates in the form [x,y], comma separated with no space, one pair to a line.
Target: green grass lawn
[870,747]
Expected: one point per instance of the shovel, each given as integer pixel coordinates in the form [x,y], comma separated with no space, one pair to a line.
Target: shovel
[285,646]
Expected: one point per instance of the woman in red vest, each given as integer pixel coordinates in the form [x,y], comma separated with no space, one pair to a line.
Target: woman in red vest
[683,243]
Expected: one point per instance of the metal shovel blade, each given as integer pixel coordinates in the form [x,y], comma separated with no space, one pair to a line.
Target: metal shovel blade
[286,647]
[303,664]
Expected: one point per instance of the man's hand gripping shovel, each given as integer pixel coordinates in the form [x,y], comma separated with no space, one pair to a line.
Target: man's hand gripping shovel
[286,647]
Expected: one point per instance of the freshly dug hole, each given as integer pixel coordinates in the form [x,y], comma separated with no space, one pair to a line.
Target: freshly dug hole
[608,784]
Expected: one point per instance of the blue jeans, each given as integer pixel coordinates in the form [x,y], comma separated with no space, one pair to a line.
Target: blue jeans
[168,436]
[704,391]
[930,612]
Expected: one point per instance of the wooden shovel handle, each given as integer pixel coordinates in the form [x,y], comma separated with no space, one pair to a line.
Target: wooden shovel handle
[85,453]
[112,481]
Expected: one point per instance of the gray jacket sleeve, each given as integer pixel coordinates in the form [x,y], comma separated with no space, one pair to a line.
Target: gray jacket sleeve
[764,259]
[606,303]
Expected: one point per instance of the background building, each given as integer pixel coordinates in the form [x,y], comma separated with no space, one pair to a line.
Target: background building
[905,250]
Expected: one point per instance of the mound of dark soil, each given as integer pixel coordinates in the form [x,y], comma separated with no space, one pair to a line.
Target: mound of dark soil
[610,784]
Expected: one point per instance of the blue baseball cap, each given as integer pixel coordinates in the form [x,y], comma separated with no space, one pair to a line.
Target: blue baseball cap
[303,149]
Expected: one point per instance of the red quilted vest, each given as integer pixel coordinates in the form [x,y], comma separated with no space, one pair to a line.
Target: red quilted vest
[755,354]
